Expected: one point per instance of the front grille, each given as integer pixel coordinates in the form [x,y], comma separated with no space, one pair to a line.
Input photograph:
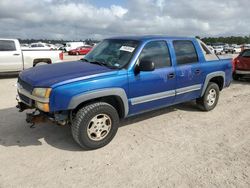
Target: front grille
[25,85]
[24,98]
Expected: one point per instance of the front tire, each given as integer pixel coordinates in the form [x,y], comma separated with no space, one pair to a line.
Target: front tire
[95,125]
[210,98]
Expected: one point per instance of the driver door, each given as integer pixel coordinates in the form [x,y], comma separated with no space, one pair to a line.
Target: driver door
[153,89]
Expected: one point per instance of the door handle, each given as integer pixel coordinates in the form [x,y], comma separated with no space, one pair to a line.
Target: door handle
[171,75]
[16,54]
[198,71]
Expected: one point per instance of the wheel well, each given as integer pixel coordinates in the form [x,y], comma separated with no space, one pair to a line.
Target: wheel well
[43,60]
[113,100]
[219,80]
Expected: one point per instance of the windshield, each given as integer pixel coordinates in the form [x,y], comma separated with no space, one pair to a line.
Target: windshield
[113,52]
[246,53]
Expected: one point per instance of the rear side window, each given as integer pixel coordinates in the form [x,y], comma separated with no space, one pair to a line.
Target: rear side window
[157,52]
[185,52]
[7,45]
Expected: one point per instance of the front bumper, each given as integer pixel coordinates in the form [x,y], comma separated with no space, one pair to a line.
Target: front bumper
[38,116]
[22,105]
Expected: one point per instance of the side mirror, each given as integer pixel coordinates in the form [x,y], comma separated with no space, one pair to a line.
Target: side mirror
[146,65]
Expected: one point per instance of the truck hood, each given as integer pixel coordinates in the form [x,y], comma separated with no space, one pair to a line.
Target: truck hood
[49,75]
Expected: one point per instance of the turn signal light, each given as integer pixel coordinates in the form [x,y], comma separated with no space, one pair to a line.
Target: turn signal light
[43,106]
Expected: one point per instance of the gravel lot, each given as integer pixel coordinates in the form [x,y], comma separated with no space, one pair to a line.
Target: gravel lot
[178,146]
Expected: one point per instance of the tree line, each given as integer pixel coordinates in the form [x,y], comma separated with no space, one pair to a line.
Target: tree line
[207,40]
[49,41]
[227,40]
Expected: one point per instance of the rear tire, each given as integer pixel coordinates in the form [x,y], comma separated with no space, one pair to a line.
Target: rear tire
[41,63]
[210,98]
[95,125]
[236,76]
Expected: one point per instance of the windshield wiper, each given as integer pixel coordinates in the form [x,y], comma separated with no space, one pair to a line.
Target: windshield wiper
[99,63]
[103,64]
[83,59]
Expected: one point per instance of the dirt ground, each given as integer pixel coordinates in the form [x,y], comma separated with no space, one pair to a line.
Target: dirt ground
[178,146]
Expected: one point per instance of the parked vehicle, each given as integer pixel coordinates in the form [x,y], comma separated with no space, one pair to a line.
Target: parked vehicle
[228,49]
[246,46]
[211,49]
[72,45]
[39,46]
[82,50]
[24,45]
[218,49]
[52,46]
[236,49]
[13,59]
[242,65]
[119,78]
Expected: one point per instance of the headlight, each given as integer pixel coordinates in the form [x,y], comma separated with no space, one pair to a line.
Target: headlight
[42,92]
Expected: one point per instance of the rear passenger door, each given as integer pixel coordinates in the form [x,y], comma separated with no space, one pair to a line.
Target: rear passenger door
[189,72]
[156,88]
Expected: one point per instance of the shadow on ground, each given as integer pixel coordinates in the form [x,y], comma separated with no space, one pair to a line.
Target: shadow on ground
[188,106]
[14,131]
[8,76]
[242,81]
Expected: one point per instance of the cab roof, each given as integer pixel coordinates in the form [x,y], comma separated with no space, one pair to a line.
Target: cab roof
[152,37]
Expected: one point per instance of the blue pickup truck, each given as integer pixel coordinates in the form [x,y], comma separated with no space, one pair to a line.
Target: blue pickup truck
[122,77]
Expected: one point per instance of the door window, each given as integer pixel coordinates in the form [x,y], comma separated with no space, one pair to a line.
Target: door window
[185,52]
[157,52]
[7,45]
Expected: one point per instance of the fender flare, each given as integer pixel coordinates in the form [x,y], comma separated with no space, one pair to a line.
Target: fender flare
[210,76]
[119,92]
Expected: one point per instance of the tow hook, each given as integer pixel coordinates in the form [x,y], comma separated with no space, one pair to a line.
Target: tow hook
[22,107]
[34,118]
[38,117]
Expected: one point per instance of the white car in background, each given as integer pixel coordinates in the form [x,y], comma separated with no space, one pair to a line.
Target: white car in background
[211,49]
[236,49]
[218,49]
[14,59]
[246,46]
[42,46]
[39,46]
[72,45]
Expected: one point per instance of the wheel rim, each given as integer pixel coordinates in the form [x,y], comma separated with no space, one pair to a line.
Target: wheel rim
[211,97]
[99,127]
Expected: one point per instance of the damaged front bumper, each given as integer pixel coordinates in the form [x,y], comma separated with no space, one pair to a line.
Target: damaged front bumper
[38,116]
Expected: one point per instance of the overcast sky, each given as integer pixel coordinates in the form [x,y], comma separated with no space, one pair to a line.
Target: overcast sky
[81,19]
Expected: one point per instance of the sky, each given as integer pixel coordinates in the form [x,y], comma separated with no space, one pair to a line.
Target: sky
[98,19]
